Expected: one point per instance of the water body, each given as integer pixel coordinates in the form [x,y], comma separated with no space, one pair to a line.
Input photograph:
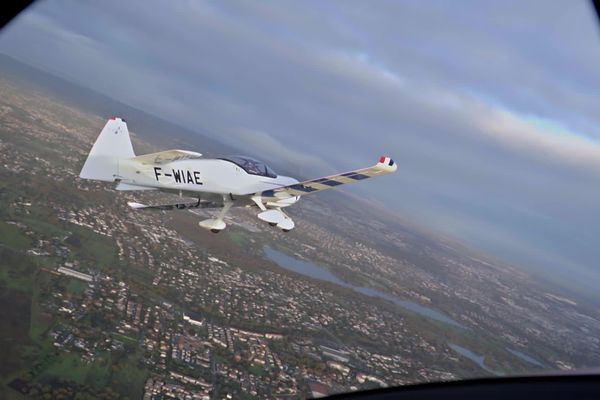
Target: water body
[476,358]
[312,270]
[526,358]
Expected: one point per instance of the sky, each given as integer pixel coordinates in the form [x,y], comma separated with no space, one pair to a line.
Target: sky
[490,108]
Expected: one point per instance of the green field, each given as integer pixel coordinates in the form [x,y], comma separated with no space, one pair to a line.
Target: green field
[11,236]
[98,249]
[124,338]
[16,270]
[39,225]
[76,287]
[66,366]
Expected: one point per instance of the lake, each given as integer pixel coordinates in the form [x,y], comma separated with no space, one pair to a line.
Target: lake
[313,270]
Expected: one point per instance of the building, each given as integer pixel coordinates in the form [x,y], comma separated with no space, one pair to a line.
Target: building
[75,274]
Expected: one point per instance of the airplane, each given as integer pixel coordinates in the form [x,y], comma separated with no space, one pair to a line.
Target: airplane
[219,183]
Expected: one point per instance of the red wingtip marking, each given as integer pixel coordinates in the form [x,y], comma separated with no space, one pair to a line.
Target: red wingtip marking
[382,159]
[113,118]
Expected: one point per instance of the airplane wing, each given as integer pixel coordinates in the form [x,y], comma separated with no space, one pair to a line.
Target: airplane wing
[167,156]
[177,206]
[385,166]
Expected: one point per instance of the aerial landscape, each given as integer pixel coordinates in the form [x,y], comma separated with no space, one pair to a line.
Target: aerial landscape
[104,302]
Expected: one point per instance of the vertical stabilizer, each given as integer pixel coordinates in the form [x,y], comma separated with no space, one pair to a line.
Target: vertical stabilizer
[112,145]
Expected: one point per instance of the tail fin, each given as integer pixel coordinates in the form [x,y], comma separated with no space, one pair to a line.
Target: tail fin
[113,144]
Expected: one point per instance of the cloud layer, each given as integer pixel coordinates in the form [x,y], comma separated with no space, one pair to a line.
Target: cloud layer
[490,108]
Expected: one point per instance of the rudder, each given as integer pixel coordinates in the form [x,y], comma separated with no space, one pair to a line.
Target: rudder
[112,145]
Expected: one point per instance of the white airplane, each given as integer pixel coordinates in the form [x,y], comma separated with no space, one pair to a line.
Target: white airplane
[215,183]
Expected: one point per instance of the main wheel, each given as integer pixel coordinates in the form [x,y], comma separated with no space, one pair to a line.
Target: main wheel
[215,230]
[272,223]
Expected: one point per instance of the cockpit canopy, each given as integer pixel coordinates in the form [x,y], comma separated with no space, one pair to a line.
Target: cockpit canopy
[251,166]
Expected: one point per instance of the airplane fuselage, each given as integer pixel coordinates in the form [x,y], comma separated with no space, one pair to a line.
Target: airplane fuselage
[203,176]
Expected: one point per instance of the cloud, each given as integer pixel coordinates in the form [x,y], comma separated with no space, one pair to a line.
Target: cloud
[522,135]
[265,145]
[489,109]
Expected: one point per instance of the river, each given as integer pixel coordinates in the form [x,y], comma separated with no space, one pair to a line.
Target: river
[526,357]
[476,358]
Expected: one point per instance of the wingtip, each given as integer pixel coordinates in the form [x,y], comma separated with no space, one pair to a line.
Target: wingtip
[387,162]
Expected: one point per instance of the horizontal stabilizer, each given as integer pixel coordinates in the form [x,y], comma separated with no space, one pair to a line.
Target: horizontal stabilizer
[385,166]
[167,156]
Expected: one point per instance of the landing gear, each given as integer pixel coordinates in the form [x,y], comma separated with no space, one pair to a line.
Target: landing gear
[216,225]
[276,217]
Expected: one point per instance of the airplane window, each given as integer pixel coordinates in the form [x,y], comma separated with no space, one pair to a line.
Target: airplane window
[251,166]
